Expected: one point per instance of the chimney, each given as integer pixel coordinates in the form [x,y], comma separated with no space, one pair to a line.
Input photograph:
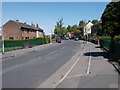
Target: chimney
[33,25]
[37,25]
[24,22]
[89,21]
[17,20]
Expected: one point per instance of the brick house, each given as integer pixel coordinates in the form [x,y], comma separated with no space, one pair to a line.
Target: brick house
[17,30]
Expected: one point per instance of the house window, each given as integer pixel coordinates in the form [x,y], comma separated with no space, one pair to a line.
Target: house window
[11,38]
[27,31]
[26,37]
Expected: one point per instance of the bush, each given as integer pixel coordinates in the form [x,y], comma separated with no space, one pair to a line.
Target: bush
[117,38]
[112,45]
[19,44]
[105,38]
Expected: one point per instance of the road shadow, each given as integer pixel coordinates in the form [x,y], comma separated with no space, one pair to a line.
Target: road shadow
[97,47]
[97,54]
[104,55]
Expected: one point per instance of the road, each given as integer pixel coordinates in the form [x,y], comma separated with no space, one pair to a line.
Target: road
[32,69]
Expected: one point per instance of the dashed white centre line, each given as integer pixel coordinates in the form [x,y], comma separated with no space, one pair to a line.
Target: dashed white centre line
[52,52]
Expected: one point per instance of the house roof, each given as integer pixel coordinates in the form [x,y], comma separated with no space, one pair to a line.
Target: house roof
[24,25]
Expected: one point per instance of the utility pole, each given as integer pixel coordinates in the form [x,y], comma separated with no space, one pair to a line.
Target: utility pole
[51,37]
[1,29]
[3,47]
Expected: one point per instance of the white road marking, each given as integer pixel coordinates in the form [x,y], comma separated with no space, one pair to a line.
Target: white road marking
[88,68]
[76,75]
[89,62]
[70,68]
[52,52]
[55,51]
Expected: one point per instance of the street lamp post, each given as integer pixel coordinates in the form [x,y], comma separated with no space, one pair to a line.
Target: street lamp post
[51,37]
[3,47]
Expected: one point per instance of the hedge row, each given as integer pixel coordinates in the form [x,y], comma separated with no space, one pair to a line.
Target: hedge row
[111,45]
[19,44]
[116,38]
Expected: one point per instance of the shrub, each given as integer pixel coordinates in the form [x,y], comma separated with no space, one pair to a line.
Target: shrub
[19,44]
[117,38]
[105,38]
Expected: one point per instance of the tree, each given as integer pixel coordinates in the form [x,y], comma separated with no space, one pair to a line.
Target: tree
[59,29]
[111,19]
[75,30]
[68,28]
[94,21]
[81,23]
[111,22]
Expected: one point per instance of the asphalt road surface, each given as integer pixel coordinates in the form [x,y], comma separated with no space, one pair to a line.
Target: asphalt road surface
[32,69]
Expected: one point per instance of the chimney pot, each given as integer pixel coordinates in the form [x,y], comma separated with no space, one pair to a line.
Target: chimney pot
[17,20]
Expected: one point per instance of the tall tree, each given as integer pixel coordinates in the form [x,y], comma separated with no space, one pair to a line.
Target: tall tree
[81,23]
[111,22]
[111,19]
[68,28]
[59,29]
[94,21]
[75,30]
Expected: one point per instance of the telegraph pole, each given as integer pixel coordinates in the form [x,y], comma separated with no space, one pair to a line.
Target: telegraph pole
[1,29]
[3,47]
[51,37]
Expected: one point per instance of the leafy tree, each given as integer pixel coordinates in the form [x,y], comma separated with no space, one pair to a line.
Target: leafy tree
[59,29]
[111,22]
[111,19]
[75,30]
[81,23]
[94,21]
[69,28]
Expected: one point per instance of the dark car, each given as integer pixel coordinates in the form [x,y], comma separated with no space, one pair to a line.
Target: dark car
[76,38]
[58,40]
[66,38]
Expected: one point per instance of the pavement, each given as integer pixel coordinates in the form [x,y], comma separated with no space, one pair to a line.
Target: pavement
[27,50]
[99,73]
[89,67]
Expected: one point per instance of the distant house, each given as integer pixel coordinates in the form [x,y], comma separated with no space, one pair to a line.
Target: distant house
[17,30]
[70,34]
[87,28]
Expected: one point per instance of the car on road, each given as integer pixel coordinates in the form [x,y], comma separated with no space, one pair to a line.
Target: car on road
[76,38]
[66,38]
[58,39]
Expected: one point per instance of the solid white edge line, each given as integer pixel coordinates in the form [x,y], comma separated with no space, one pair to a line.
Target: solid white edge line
[88,68]
[70,69]
[89,62]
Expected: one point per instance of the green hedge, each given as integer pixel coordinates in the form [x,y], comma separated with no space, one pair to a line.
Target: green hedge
[113,46]
[20,44]
[105,38]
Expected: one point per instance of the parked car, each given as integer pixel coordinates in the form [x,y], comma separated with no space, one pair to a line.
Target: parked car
[76,38]
[58,39]
[66,38]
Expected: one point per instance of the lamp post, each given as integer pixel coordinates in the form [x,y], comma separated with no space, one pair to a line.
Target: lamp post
[51,37]
[3,47]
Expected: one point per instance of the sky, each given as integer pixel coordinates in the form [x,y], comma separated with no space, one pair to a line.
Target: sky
[46,14]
